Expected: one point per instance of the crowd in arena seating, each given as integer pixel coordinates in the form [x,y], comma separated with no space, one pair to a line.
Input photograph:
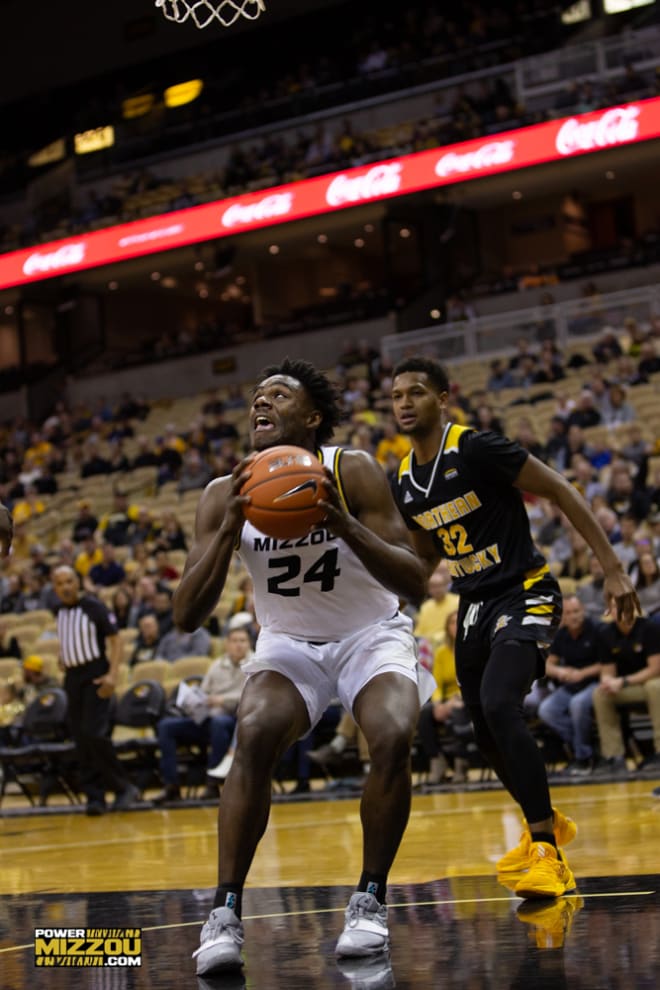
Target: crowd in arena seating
[111,489]
[382,54]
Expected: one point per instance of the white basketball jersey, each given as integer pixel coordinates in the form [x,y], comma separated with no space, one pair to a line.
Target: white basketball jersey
[314,588]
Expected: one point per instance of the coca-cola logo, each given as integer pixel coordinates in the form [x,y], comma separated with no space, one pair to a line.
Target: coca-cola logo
[615,126]
[67,256]
[381,180]
[277,205]
[486,156]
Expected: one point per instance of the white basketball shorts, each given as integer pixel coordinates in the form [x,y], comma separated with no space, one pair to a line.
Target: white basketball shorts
[340,669]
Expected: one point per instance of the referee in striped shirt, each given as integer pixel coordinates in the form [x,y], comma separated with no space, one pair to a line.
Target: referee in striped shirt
[90,652]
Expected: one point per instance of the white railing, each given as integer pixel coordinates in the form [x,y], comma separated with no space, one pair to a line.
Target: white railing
[486,336]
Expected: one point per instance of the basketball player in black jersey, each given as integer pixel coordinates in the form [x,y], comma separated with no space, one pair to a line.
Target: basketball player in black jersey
[460,493]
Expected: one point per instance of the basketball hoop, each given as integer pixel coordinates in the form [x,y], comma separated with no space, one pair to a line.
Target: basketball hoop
[204,12]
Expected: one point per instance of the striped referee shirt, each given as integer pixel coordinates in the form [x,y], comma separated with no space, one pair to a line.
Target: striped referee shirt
[82,630]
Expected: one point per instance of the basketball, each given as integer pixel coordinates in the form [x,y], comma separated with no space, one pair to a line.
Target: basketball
[284,489]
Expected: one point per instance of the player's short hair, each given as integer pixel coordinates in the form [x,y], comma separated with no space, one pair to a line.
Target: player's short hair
[319,388]
[435,372]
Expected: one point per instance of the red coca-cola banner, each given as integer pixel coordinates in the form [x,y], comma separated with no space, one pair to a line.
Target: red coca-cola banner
[505,152]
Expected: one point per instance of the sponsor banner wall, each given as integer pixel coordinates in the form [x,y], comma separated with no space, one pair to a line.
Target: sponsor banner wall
[551,141]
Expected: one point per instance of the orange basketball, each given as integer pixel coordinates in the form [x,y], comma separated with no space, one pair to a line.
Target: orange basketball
[284,488]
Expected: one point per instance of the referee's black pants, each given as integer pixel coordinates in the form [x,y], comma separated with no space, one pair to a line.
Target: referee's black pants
[89,721]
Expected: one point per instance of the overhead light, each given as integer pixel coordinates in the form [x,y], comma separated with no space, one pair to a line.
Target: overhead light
[516,194]
[137,106]
[203,293]
[435,314]
[322,238]
[95,139]
[179,95]
[155,276]
[9,310]
[404,232]
[369,228]
[53,152]
[199,266]
[113,285]
[274,249]
[241,280]
[169,282]
[610,174]
[359,243]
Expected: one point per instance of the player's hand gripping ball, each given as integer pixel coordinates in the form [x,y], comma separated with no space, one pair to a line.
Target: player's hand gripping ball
[285,486]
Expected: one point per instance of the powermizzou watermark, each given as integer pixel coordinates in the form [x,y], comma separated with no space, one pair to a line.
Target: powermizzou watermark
[87,947]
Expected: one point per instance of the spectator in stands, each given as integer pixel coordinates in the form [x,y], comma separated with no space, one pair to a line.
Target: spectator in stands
[445,708]
[485,418]
[222,685]
[89,555]
[591,592]
[555,452]
[163,608]
[121,606]
[622,496]
[585,478]
[436,609]
[649,360]
[34,591]
[585,413]
[170,533]
[9,646]
[147,641]
[647,583]
[616,410]
[607,347]
[146,456]
[630,655]
[391,442]
[176,644]
[117,526]
[626,547]
[164,571]
[35,679]
[525,434]
[500,376]
[576,565]
[195,472]
[144,598]
[523,352]
[94,462]
[143,530]
[109,571]
[573,663]
[85,523]
[635,448]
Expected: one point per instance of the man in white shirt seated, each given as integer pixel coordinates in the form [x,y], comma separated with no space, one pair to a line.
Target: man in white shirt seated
[213,725]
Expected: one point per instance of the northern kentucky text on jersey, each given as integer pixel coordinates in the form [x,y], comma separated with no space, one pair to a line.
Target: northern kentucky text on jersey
[454,538]
[448,512]
[312,539]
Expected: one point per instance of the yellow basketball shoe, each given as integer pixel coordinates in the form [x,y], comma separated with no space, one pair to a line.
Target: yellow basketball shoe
[550,921]
[518,859]
[548,875]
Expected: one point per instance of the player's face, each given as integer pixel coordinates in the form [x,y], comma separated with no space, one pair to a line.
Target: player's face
[280,413]
[417,407]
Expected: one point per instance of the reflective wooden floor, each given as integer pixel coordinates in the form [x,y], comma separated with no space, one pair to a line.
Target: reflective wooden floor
[452,924]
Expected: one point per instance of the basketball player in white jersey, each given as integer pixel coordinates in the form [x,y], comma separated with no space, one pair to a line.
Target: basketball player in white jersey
[328,607]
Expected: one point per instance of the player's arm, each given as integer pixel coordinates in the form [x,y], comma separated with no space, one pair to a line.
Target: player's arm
[217,524]
[374,529]
[537,478]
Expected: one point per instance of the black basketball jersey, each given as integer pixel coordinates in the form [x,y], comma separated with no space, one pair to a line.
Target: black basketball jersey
[465,498]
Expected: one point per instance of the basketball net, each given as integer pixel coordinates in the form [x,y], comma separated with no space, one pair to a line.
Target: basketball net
[204,12]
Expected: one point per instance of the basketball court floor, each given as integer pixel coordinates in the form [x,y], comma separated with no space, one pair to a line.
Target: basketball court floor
[452,924]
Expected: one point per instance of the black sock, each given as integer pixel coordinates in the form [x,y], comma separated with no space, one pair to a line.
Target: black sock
[374,883]
[544,837]
[229,895]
